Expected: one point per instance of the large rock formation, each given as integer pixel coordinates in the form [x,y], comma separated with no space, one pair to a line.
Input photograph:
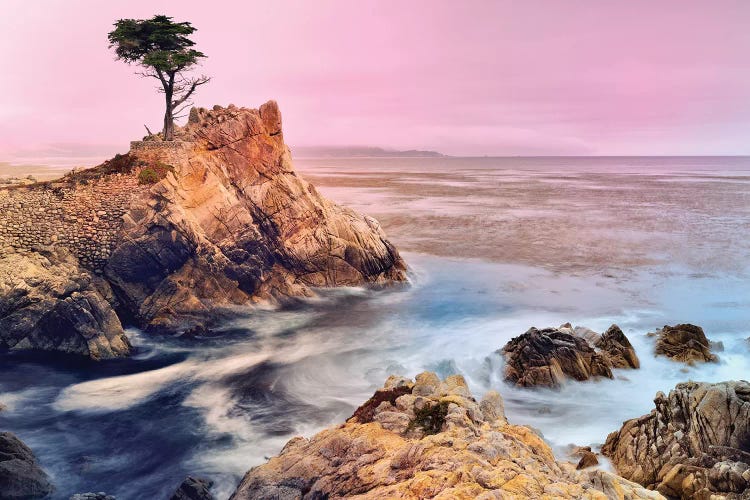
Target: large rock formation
[428,439]
[550,356]
[694,444]
[181,232]
[686,343]
[235,223]
[20,474]
[48,302]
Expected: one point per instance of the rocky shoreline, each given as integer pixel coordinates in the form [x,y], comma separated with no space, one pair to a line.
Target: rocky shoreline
[172,236]
[430,438]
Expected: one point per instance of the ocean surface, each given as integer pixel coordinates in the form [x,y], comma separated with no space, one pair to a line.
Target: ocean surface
[494,246]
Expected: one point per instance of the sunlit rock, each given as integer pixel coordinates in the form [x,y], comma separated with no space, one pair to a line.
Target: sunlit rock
[451,447]
[694,444]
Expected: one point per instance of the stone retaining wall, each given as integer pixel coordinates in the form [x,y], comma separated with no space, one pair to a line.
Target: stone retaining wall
[84,218]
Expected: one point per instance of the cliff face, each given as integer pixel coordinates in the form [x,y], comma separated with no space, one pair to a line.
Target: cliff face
[428,439]
[48,302]
[226,222]
[234,223]
[694,445]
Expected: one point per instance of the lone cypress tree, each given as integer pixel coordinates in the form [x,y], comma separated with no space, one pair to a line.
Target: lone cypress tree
[163,48]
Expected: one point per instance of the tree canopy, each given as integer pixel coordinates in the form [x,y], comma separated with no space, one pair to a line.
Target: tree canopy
[163,48]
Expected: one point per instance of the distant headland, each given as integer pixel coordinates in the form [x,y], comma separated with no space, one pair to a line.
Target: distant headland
[360,152]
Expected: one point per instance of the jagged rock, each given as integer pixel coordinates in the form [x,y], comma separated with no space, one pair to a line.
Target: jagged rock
[226,222]
[48,302]
[92,496]
[451,447]
[234,223]
[588,459]
[193,488]
[547,357]
[695,443]
[686,343]
[618,348]
[21,477]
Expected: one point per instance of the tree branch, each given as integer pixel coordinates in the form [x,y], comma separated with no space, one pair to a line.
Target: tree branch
[193,85]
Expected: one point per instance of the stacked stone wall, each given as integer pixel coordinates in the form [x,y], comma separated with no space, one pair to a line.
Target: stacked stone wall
[84,218]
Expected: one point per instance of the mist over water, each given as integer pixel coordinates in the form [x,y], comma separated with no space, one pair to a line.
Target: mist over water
[495,246]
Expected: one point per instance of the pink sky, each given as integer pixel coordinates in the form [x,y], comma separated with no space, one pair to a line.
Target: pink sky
[465,78]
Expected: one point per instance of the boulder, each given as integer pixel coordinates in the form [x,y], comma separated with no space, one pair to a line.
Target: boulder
[428,438]
[548,357]
[618,349]
[193,488]
[48,302]
[21,477]
[685,342]
[694,444]
[588,459]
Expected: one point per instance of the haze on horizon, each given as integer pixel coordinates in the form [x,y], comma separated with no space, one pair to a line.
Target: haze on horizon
[479,78]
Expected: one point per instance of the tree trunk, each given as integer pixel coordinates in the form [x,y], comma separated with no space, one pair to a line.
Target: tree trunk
[168,131]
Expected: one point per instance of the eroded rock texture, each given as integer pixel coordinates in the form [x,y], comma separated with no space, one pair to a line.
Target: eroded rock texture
[428,439]
[193,488]
[550,356]
[686,343]
[234,223]
[226,222]
[694,444]
[21,477]
[48,302]
[618,348]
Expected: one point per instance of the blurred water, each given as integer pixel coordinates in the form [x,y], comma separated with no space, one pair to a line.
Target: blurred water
[217,406]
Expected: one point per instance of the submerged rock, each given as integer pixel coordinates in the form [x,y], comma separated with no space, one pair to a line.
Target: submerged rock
[694,444]
[48,302]
[193,488]
[428,438]
[685,342]
[548,357]
[21,477]
[181,233]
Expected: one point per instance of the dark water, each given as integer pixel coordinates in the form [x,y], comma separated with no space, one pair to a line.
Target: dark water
[216,407]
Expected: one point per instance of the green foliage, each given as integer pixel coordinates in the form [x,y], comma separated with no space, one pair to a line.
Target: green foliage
[148,176]
[430,418]
[164,49]
[158,43]
[154,173]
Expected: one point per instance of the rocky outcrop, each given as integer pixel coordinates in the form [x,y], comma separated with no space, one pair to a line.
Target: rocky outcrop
[21,477]
[48,302]
[588,459]
[193,488]
[428,439]
[617,348]
[182,233]
[92,496]
[550,356]
[694,444]
[234,223]
[686,343]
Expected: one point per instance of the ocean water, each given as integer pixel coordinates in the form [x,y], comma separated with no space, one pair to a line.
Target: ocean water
[494,247]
